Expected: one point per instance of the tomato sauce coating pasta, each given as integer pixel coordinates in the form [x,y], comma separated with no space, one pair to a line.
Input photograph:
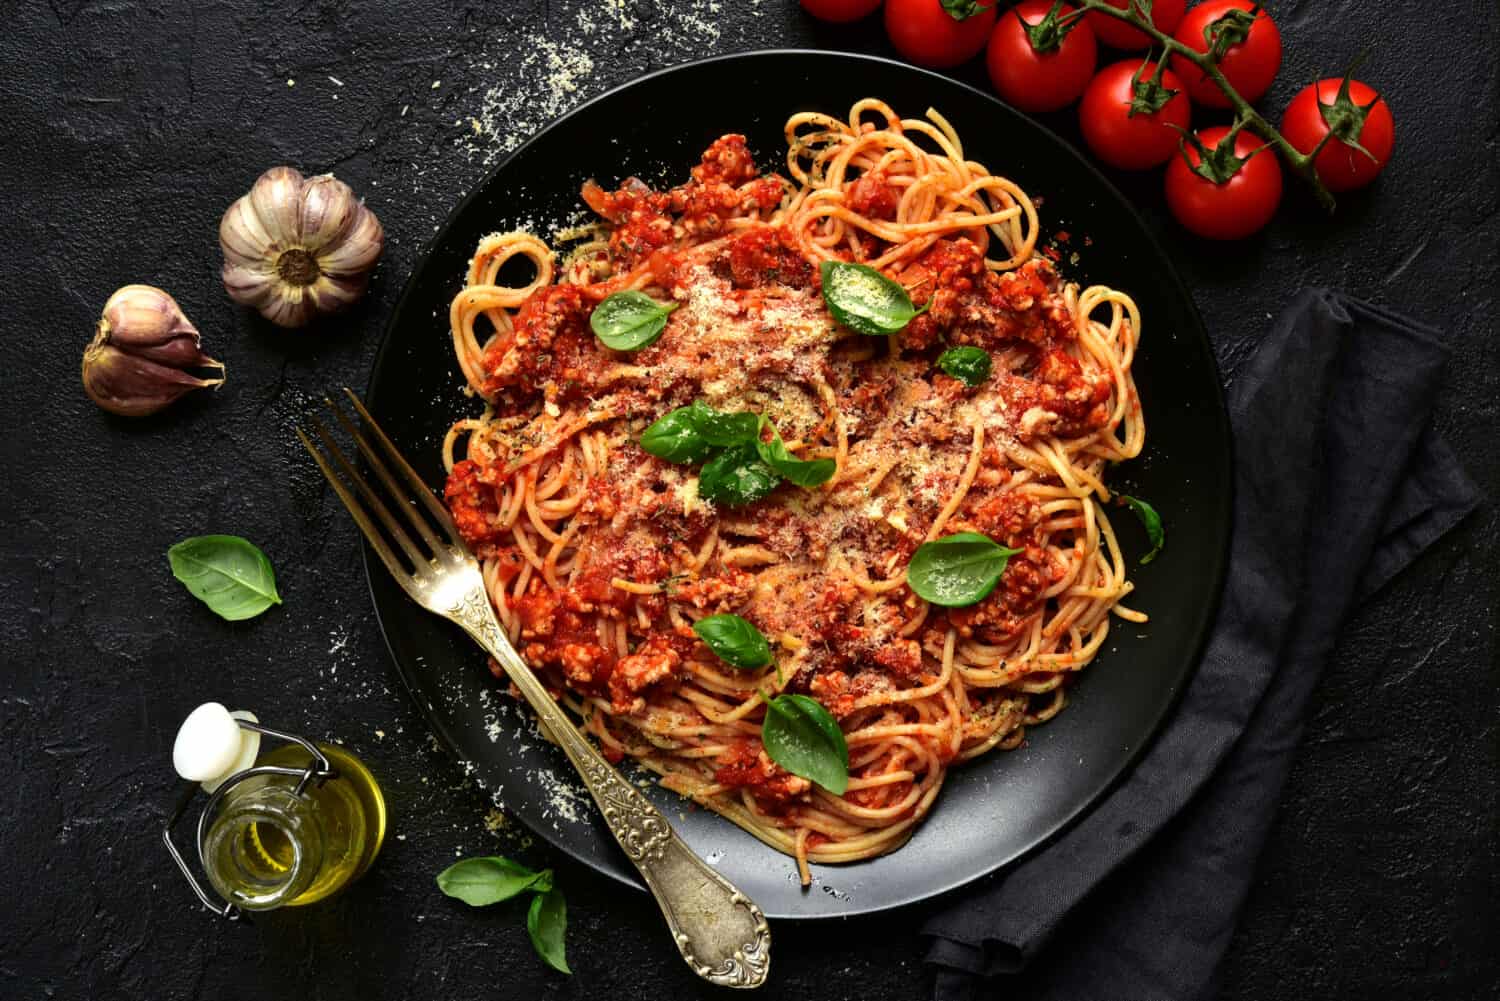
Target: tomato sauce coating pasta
[599,557]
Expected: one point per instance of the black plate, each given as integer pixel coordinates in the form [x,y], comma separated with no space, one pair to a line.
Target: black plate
[991,811]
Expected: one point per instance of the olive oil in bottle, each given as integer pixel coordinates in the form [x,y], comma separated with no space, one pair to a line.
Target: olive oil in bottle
[269,846]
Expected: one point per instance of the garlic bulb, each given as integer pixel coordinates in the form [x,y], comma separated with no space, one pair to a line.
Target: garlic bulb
[141,354]
[297,248]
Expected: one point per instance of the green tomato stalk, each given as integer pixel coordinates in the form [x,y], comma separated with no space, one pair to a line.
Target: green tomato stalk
[1246,116]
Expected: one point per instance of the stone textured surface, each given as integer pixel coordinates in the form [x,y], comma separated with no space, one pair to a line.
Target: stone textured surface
[128,125]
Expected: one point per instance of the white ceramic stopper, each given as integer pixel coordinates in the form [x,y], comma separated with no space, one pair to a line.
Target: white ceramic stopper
[249,750]
[211,746]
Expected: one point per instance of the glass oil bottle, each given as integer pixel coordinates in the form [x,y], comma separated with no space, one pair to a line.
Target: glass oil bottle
[299,825]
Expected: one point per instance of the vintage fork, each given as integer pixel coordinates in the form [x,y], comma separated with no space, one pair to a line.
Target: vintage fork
[721,933]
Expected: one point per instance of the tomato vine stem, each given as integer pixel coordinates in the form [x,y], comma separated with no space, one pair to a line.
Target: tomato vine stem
[1300,163]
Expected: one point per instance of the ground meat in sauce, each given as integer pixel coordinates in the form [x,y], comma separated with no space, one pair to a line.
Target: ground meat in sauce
[725,183]
[653,662]
[1069,403]
[873,196]
[550,348]
[1008,517]
[746,766]
[969,304]
[634,559]
[554,635]
[723,592]
[472,506]
[766,255]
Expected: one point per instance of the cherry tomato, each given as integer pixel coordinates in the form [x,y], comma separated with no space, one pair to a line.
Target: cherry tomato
[839,11]
[1235,207]
[1250,50]
[1043,64]
[1360,115]
[1145,138]
[1165,15]
[939,33]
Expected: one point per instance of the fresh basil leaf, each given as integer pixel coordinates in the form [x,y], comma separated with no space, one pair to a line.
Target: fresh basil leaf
[1152,522]
[802,737]
[734,641]
[547,923]
[226,573]
[723,430]
[690,434]
[736,476]
[677,436]
[489,880]
[803,472]
[628,321]
[969,365]
[864,300]
[957,570]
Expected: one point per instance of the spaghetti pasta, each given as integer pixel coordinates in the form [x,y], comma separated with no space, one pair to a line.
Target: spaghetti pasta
[599,557]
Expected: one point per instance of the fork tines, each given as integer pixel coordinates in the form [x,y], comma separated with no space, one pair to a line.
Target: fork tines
[405,491]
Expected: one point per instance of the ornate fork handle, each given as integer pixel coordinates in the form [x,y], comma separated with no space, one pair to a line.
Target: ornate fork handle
[720,932]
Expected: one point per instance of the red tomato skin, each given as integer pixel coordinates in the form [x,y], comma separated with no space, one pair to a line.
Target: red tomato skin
[1120,140]
[839,11]
[926,34]
[1229,211]
[1340,167]
[1033,81]
[1250,66]
[1165,14]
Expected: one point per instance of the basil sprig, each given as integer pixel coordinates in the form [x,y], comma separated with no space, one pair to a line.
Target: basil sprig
[734,641]
[227,573]
[479,882]
[866,301]
[958,570]
[736,477]
[629,321]
[1152,523]
[739,467]
[969,365]
[804,738]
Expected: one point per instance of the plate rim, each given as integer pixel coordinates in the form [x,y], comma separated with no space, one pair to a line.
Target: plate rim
[1177,286]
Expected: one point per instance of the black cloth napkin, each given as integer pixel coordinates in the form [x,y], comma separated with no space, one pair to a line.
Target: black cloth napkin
[1340,482]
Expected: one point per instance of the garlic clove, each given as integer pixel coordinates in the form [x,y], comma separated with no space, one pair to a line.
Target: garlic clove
[289,307]
[275,196]
[132,386]
[359,251]
[147,322]
[243,238]
[329,210]
[143,315]
[142,348]
[249,285]
[180,352]
[329,294]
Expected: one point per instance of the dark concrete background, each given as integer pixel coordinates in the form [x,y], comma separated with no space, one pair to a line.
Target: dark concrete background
[129,125]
